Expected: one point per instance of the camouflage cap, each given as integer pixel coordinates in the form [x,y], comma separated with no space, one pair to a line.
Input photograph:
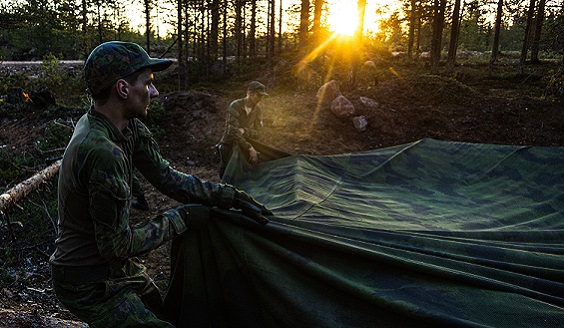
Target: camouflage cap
[115,60]
[258,87]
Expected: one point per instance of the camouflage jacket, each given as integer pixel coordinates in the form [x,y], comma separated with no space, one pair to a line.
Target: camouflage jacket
[94,194]
[237,118]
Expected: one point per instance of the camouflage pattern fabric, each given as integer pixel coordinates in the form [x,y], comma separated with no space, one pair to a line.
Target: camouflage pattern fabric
[266,153]
[136,187]
[111,61]
[95,194]
[127,301]
[238,118]
[94,230]
[427,234]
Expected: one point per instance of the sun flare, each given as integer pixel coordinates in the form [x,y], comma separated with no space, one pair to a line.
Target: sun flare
[343,18]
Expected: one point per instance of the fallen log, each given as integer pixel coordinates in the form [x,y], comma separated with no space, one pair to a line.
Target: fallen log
[22,189]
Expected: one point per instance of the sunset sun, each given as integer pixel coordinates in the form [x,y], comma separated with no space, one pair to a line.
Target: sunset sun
[343,18]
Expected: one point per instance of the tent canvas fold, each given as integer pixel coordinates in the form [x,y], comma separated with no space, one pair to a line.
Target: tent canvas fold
[430,233]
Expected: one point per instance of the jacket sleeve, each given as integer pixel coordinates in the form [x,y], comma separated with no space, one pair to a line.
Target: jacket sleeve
[180,186]
[109,195]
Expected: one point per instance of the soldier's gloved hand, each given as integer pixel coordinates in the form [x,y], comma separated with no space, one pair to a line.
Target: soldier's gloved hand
[250,207]
[194,214]
[231,197]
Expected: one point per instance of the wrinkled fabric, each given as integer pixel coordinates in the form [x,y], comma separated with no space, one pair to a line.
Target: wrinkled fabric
[426,234]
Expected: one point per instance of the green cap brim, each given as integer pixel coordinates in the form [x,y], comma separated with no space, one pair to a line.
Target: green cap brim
[157,65]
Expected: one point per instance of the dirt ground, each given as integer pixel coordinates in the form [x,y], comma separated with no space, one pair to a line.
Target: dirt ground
[466,107]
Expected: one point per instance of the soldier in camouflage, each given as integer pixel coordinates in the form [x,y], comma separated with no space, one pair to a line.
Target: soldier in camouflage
[95,273]
[243,124]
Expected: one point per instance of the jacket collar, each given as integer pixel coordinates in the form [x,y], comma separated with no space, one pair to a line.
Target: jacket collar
[114,133]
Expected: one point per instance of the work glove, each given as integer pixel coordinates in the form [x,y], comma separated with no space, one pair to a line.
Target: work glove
[194,214]
[232,197]
[250,207]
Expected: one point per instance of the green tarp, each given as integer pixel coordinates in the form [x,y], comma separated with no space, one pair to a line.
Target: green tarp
[438,234]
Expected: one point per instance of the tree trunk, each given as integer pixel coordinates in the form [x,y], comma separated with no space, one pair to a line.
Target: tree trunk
[202,40]
[359,33]
[85,43]
[271,29]
[304,23]
[214,31]
[436,42]
[497,29]
[454,32]
[186,34]
[411,34]
[99,17]
[148,25]
[418,36]
[244,38]
[317,13]
[21,190]
[180,52]
[252,30]
[224,38]
[525,48]
[358,36]
[238,29]
[535,47]
[280,27]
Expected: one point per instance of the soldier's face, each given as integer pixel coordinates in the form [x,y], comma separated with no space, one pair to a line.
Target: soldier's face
[254,97]
[141,93]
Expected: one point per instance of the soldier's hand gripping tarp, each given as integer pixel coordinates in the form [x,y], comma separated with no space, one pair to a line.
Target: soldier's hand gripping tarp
[437,234]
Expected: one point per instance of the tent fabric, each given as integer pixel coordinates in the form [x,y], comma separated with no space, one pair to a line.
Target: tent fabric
[267,152]
[426,234]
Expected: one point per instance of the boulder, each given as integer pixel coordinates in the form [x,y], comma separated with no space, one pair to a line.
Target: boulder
[360,123]
[328,92]
[342,107]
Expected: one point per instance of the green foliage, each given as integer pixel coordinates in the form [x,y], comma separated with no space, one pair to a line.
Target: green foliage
[10,79]
[65,85]
[391,32]
[475,31]
[50,65]
[156,113]
[39,28]
[12,162]
[61,81]
[555,83]
[56,136]
[553,29]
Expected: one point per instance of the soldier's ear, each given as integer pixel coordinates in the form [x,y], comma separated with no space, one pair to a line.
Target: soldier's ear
[122,88]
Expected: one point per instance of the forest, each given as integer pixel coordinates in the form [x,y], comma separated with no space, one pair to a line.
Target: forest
[216,39]
[472,71]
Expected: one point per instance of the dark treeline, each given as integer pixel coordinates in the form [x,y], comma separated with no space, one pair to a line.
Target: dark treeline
[215,38]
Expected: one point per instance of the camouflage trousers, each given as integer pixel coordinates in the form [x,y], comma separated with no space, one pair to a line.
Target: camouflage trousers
[129,299]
